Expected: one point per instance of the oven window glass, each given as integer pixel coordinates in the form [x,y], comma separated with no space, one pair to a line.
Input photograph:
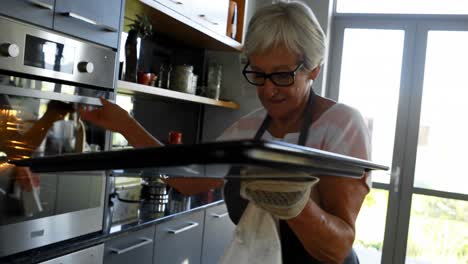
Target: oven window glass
[45,54]
[29,127]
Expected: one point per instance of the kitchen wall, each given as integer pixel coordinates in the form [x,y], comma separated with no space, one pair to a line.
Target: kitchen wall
[235,88]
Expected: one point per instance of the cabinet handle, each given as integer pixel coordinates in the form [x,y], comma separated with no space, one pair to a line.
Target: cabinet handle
[207,20]
[144,242]
[219,215]
[176,2]
[89,21]
[41,4]
[183,229]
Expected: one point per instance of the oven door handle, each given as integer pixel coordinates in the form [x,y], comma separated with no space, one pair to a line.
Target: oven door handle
[89,21]
[41,4]
[144,242]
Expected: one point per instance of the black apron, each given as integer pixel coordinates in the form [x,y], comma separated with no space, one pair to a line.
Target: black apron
[292,249]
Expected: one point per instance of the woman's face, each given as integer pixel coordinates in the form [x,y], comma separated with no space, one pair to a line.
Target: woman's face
[279,101]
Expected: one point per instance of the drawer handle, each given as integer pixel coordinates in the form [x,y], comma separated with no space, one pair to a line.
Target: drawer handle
[183,229]
[219,215]
[177,2]
[207,20]
[89,21]
[144,242]
[41,4]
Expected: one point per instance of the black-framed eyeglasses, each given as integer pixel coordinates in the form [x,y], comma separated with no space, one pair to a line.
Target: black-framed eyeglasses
[278,78]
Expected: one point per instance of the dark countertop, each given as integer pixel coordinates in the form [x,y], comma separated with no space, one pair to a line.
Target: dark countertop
[115,230]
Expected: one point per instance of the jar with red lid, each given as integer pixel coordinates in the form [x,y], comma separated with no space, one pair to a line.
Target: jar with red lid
[175,137]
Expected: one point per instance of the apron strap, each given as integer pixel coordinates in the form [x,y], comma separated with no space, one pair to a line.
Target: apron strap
[304,133]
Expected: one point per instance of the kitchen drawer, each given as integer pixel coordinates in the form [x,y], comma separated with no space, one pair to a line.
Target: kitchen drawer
[179,240]
[94,20]
[211,14]
[183,7]
[92,255]
[136,247]
[218,233]
[39,12]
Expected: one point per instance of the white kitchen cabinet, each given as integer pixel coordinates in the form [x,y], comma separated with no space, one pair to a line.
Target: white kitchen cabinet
[217,235]
[39,12]
[136,247]
[183,7]
[211,14]
[200,23]
[179,240]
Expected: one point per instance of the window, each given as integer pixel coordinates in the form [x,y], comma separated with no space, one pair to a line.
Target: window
[459,7]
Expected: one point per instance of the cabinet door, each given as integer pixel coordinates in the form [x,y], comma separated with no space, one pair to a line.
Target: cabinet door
[211,14]
[183,7]
[39,12]
[94,20]
[179,240]
[218,233]
[135,247]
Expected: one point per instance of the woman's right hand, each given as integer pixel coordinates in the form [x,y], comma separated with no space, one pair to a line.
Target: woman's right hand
[110,116]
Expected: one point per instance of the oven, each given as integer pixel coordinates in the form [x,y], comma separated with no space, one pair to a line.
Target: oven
[44,78]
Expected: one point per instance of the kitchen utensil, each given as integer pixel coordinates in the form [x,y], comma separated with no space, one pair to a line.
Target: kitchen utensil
[66,136]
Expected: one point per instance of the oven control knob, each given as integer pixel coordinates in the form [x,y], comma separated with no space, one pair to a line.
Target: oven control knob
[9,50]
[86,67]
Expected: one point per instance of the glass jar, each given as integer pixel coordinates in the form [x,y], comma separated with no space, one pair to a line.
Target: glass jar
[181,79]
[214,81]
[164,76]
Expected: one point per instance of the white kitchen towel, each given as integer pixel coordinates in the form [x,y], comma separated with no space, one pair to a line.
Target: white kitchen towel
[256,239]
[27,192]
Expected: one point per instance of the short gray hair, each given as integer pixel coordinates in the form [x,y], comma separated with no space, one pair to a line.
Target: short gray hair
[291,24]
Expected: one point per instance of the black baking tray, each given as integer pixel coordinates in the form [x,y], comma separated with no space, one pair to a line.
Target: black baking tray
[216,158]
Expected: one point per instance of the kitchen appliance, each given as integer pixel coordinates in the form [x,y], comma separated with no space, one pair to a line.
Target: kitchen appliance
[44,78]
[136,195]
[124,199]
[26,49]
[154,195]
[226,159]
[72,201]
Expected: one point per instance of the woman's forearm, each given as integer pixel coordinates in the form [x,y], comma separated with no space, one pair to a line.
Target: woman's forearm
[326,237]
[138,137]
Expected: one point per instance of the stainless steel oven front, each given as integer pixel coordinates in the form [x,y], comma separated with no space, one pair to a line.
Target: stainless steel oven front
[44,78]
[32,50]
[37,209]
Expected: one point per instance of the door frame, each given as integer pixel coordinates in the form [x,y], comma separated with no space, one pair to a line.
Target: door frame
[400,189]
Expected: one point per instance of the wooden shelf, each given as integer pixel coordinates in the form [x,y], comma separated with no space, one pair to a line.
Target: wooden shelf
[180,27]
[135,89]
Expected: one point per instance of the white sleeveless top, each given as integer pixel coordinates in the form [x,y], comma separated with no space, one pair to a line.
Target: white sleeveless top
[340,129]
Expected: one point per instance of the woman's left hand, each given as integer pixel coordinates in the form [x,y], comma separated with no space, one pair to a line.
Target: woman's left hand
[284,199]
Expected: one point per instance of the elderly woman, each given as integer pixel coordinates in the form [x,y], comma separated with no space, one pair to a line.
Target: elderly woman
[285,47]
